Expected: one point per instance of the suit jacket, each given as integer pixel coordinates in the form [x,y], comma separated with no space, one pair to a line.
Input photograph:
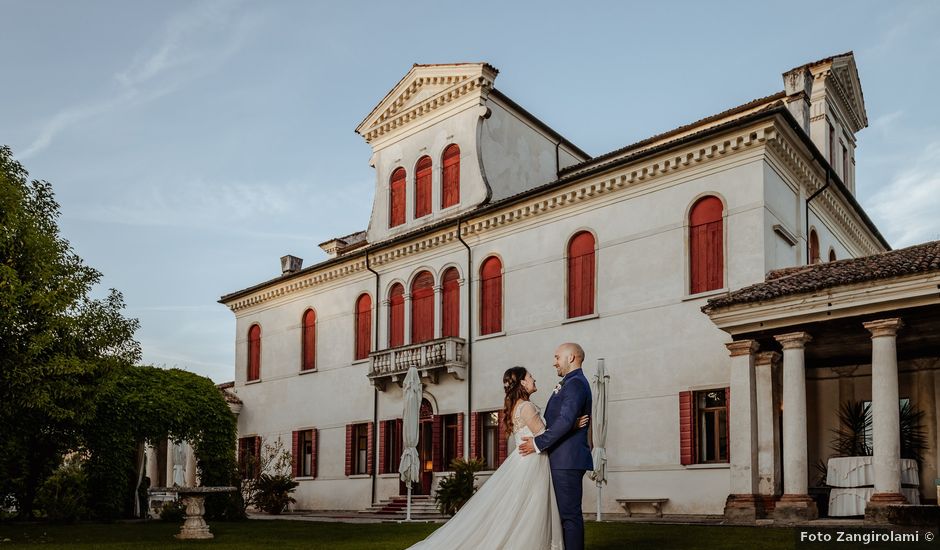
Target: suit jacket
[566,446]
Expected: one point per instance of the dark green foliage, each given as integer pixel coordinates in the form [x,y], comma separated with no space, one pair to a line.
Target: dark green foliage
[456,489]
[137,404]
[913,437]
[172,511]
[854,423]
[62,497]
[56,342]
[274,492]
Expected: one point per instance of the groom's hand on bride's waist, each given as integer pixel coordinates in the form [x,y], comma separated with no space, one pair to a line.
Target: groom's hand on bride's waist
[527,447]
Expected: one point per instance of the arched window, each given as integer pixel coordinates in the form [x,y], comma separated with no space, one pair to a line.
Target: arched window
[422,308]
[423,187]
[309,341]
[396,316]
[706,247]
[450,177]
[813,247]
[581,275]
[396,198]
[254,353]
[450,303]
[491,296]
[832,255]
[363,326]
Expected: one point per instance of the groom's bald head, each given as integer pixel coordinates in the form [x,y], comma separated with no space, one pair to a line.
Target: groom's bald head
[568,357]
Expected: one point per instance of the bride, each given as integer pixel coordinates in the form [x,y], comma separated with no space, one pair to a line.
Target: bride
[515,508]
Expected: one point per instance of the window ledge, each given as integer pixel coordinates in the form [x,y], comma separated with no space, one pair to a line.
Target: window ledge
[581,318]
[709,466]
[359,476]
[706,294]
[308,371]
[388,476]
[491,335]
[250,382]
[304,478]
[360,361]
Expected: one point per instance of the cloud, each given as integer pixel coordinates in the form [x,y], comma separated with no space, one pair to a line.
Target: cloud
[906,208]
[192,43]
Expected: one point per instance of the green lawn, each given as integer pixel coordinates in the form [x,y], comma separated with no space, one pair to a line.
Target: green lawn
[304,534]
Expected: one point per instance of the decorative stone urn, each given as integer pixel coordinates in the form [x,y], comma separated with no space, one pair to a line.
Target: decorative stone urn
[194,498]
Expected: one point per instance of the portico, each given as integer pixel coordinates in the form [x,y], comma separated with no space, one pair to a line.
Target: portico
[833,324]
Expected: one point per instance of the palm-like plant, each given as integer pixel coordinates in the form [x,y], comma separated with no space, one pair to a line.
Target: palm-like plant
[913,438]
[854,425]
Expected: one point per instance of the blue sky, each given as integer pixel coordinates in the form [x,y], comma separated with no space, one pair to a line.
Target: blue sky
[191,144]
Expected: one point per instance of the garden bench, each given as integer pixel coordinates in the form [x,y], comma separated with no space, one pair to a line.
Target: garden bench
[656,503]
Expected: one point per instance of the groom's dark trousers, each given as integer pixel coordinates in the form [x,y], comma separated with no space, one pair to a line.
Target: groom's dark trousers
[568,483]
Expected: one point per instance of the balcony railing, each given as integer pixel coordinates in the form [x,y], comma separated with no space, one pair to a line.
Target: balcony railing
[430,358]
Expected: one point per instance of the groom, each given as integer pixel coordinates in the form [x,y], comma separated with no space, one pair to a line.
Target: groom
[567,445]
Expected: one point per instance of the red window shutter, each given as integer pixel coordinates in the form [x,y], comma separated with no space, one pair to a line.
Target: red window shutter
[422,308]
[475,451]
[437,444]
[254,352]
[383,443]
[397,198]
[309,360]
[450,177]
[423,187]
[313,450]
[257,455]
[460,417]
[813,247]
[349,449]
[502,445]
[491,296]
[450,303]
[363,326]
[706,248]
[686,429]
[370,448]
[581,275]
[295,454]
[396,316]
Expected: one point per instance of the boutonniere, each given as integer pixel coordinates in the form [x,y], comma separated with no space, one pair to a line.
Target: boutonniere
[558,387]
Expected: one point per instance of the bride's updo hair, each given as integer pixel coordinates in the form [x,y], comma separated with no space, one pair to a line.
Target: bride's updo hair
[512,384]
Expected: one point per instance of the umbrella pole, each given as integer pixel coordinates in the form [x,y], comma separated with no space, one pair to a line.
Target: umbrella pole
[408,515]
[598,502]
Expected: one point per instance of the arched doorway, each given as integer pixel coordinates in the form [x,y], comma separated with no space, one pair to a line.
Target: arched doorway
[425,448]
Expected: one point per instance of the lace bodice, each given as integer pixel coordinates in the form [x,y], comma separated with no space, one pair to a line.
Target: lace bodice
[527,419]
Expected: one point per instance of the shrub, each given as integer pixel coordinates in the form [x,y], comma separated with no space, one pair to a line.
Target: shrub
[273,492]
[456,489]
[172,511]
[63,496]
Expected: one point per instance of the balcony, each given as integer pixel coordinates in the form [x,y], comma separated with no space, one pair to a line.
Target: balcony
[430,358]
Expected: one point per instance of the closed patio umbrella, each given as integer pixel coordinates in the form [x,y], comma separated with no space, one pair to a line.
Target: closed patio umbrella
[599,430]
[409,469]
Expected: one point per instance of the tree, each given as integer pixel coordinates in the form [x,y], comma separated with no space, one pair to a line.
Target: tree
[56,340]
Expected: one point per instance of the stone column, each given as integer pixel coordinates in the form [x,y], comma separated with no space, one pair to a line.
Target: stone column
[407,328]
[768,429]
[437,311]
[743,504]
[382,327]
[885,416]
[795,505]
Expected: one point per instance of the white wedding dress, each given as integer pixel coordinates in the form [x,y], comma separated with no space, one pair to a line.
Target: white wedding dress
[514,509]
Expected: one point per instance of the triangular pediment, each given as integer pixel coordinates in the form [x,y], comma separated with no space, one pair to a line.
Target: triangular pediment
[845,80]
[424,89]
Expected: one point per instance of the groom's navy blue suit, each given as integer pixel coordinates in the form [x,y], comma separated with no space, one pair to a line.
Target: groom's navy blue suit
[568,452]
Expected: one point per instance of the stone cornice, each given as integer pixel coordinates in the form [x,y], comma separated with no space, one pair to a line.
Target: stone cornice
[808,175]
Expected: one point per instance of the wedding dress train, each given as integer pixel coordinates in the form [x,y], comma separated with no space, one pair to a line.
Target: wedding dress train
[515,509]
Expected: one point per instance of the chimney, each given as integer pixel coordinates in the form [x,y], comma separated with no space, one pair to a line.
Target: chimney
[798,84]
[334,247]
[291,264]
